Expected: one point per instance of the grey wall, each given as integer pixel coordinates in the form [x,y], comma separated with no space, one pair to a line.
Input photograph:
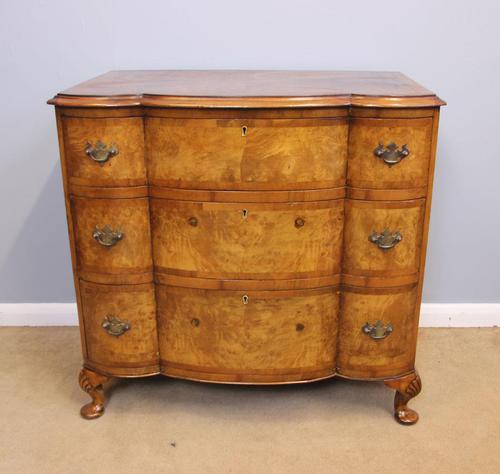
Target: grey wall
[451,47]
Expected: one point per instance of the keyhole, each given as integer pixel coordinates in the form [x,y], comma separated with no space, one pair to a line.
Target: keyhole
[244,131]
[245,213]
[245,299]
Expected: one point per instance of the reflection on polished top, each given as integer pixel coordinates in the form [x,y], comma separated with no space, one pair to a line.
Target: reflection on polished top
[251,88]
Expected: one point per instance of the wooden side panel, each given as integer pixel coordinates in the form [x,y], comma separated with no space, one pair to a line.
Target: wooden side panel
[136,350]
[131,254]
[268,154]
[217,240]
[368,171]
[276,333]
[359,355]
[363,218]
[127,168]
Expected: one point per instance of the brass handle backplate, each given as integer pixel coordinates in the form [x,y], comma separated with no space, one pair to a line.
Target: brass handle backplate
[378,330]
[386,240]
[100,152]
[106,236]
[391,154]
[114,325]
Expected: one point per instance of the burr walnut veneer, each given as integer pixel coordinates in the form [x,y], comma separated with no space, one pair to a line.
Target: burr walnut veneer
[255,227]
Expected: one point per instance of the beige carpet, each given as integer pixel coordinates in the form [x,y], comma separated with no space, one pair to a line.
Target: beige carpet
[170,426]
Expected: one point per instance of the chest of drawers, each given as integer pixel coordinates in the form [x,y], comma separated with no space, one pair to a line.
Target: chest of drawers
[255,227]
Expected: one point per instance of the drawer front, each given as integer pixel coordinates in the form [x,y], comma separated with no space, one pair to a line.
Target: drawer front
[112,236]
[254,336]
[105,151]
[368,349]
[383,238]
[233,240]
[374,163]
[120,327]
[247,154]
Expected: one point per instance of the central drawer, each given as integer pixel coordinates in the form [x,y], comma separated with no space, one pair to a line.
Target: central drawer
[247,154]
[247,240]
[253,336]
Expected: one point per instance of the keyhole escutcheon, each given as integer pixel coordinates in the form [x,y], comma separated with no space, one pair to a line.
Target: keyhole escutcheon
[244,131]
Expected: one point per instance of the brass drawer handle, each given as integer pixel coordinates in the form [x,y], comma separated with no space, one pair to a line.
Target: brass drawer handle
[385,240]
[106,236]
[299,222]
[390,154]
[100,153]
[193,221]
[114,325]
[377,331]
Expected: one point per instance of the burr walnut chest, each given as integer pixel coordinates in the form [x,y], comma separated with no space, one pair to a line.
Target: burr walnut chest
[254,227]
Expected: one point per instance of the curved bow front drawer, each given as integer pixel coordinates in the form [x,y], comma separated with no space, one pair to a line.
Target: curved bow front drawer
[389,153]
[254,154]
[120,328]
[266,336]
[247,240]
[383,238]
[112,236]
[377,331]
[105,151]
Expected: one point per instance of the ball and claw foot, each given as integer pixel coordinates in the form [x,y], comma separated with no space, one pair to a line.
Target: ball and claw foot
[406,387]
[91,382]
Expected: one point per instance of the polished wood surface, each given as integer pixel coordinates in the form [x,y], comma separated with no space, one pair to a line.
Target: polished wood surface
[246,241]
[247,154]
[236,238]
[278,334]
[248,89]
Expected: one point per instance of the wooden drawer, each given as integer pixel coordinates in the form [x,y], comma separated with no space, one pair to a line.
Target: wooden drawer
[125,168]
[368,252]
[272,336]
[250,240]
[247,154]
[120,328]
[359,354]
[367,170]
[112,236]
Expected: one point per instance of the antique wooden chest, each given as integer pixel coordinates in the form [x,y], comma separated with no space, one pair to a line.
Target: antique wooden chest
[255,227]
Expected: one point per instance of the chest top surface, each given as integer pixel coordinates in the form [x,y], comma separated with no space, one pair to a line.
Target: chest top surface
[239,88]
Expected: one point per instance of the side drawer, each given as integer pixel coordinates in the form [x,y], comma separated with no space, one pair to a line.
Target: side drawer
[120,328]
[389,153]
[112,236]
[264,336]
[377,332]
[383,238]
[247,154]
[247,240]
[105,151]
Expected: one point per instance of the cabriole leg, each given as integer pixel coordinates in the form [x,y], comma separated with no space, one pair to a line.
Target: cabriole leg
[406,387]
[91,382]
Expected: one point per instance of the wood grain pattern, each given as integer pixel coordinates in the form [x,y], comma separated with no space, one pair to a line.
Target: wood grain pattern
[131,216]
[214,154]
[137,348]
[361,356]
[290,333]
[368,171]
[248,89]
[265,244]
[364,258]
[127,168]
[313,191]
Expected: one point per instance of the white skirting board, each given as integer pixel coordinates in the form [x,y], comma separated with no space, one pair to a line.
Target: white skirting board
[456,315]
